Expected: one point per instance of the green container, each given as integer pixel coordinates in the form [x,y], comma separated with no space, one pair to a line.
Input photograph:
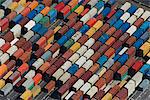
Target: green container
[69,43]
[45,20]
[38,17]
[72,10]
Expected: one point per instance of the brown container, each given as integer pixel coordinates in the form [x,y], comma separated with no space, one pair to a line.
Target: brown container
[67,54]
[38,53]
[108,75]
[49,34]
[11,15]
[111,31]
[51,70]
[114,90]
[117,34]
[11,65]
[97,35]
[117,44]
[71,81]
[83,39]
[14,77]
[73,15]
[44,67]
[77,26]
[115,98]
[59,62]
[139,22]
[50,86]
[99,95]
[24,21]
[103,48]
[131,51]
[124,37]
[104,28]
[85,2]
[116,66]
[130,61]
[18,87]
[95,57]
[5,47]
[63,30]
[101,83]
[94,68]
[130,41]
[54,48]
[96,46]
[8,36]
[122,94]
[86,76]
[71,23]
[17,54]
[77,95]
[47,2]
[109,52]
[80,72]
[27,46]
[20,42]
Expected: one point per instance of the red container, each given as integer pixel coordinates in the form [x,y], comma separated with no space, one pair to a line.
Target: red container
[4,23]
[37,78]
[59,6]
[5,47]
[23,68]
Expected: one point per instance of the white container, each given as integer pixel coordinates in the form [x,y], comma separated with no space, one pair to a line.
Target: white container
[7,88]
[89,53]
[93,79]
[30,74]
[30,24]
[82,50]
[92,12]
[139,12]
[145,15]
[81,61]
[126,6]
[85,87]
[12,50]
[130,87]
[19,9]
[17,80]
[123,51]
[132,19]
[90,42]
[65,77]
[1,13]
[1,52]
[74,57]
[132,29]
[56,53]
[7,3]
[92,2]
[4,58]
[28,35]
[137,78]
[58,73]
[100,10]
[125,16]
[92,91]
[28,83]
[101,71]
[14,41]
[76,36]
[69,95]
[2,42]
[148,62]
[88,64]
[38,63]
[66,65]
[78,84]
[16,30]
[85,18]
[109,63]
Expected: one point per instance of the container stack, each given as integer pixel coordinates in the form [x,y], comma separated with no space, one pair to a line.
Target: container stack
[73,50]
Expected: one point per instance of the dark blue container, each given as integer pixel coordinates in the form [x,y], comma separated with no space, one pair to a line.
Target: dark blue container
[46,55]
[84,29]
[52,13]
[102,60]
[35,38]
[18,18]
[70,33]
[145,26]
[62,40]
[132,9]
[66,1]
[112,20]
[73,69]
[145,36]
[145,68]
[138,43]
[123,58]
[111,2]
[116,57]
[42,31]
[99,5]
[52,20]
[118,24]
[118,50]
[138,33]
[32,14]
[104,38]
[148,74]
[124,27]
[31,62]
[36,27]
[106,11]
[118,14]
[39,8]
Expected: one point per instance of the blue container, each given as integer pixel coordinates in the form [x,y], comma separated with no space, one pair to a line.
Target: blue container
[99,5]
[52,13]
[62,40]
[18,18]
[39,8]
[73,69]
[31,62]
[102,60]
[32,14]
[42,31]
[36,27]
[66,1]
[52,20]
[104,38]
[118,24]
[111,2]
[123,59]
[138,33]
[46,55]
[118,50]
[106,11]
[145,68]
[118,14]
[35,38]
[124,27]
[112,20]
[148,74]
[116,57]
[145,25]
[70,33]
[84,29]
[145,36]
[132,9]
[138,43]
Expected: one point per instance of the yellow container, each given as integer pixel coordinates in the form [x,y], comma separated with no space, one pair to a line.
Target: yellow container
[2,83]
[22,2]
[13,6]
[33,5]
[122,83]
[108,96]
[103,70]
[145,47]
[57,29]
[148,55]
[26,95]
[79,10]
[36,90]
[51,39]
[45,11]
[7,75]
[91,31]
[75,47]
[98,25]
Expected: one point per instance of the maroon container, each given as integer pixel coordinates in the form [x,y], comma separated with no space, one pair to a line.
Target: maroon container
[108,76]
[95,57]
[103,48]
[77,26]
[96,46]
[97,35]
[86,76]
[67,54]
[104,28]
[116,66]
[83,39]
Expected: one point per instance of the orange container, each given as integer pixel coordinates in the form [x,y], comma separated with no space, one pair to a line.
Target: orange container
[26,11]
[33,5]
[91,22]
[5,47]
[23,68]
[73,3]
[37,78]
[17,54]
[45,10]
[110,41]
[109,52]
[41,42]
[80,72]
[3,70]
[94,68]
